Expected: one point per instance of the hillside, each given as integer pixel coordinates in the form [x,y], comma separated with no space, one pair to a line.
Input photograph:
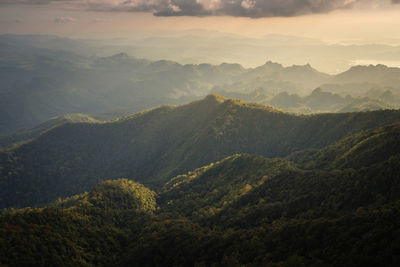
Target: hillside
[25,135]
[356,151]
[45,76]
[243,210]
[153,146]
[85,232]
[245,191]
[38,84]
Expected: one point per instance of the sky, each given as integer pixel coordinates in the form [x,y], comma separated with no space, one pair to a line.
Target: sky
[351,21]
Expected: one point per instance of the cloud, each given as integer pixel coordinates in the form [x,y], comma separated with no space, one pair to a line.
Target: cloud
[157,7]
[271,8]
[64,20]
[35,2]
[244,8]
[239,8]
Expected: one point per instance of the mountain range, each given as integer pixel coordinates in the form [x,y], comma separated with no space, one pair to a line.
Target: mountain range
[43,77]
[107,159]
[319,101]
[153,146]
[231,184]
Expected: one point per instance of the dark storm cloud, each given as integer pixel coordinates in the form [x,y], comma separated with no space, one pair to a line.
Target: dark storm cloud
[237,8]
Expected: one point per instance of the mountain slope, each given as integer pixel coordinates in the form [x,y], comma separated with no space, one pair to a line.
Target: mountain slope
[25,135]
[373,74]
[244,210]
[40,83]
[356,151]
[247,191]
[153,146]
[85,233]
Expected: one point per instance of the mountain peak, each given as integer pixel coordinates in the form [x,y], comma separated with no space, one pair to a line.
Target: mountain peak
[303,67]
[215,98]
[272,64]
[368,67]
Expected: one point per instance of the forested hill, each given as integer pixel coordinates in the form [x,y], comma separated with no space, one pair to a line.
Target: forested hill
[244,210]
[358,171]
[27,134]
[153,146]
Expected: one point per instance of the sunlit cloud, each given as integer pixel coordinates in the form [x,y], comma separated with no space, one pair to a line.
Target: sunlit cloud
[236,8]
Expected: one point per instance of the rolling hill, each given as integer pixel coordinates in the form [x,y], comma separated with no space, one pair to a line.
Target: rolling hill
[25,135]
[153,146]
[304,210]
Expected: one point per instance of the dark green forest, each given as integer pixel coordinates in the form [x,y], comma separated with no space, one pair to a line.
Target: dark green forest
[338,205]
[153,146]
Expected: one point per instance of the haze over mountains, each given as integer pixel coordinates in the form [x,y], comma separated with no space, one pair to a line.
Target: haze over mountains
[200,46]
[45,76]
[138,153]
[319,100]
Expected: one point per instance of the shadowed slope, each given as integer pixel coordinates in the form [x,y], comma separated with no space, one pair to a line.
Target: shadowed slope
[156,145]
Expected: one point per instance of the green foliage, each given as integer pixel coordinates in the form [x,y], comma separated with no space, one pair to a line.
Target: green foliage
[244,210]
[86,230]
[207,191]
[26,135]
[56,237]
[334,205]
[122,194]
[246,191]
[156,145]
[356,151]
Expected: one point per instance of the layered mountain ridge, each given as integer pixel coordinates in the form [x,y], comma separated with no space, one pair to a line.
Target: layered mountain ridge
[38,84]
[316,207]
[153,146]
